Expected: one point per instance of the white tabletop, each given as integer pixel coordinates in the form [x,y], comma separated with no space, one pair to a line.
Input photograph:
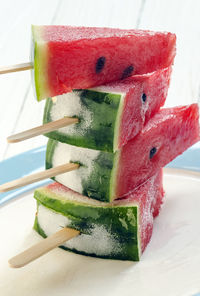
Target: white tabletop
[21,111]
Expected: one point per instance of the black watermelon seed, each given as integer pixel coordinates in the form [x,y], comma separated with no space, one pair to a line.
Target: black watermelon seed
[144,97]
[152,152]
[100,64]
[127,72]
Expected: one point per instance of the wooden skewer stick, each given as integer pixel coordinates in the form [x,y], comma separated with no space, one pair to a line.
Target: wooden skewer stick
[42,129]
[16,68]
[43,247]
[39,176]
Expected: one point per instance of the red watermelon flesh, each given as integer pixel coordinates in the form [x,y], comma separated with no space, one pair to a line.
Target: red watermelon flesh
[158,200]
[166,135]
[67,58]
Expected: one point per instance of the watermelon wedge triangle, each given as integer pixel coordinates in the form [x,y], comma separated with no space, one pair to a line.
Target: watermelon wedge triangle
[118,230]
[67,58]
[168,134]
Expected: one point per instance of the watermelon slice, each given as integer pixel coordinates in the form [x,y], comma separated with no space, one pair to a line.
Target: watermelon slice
[67,58]
[120,230]
[109,115]
[106,176]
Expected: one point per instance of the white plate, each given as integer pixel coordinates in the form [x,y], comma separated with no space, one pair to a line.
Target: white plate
[169,266]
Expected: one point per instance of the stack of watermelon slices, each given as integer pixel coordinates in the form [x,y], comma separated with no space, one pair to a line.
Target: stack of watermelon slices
[115,82]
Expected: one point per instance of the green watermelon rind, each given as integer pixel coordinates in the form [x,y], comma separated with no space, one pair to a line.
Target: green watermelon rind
[107,216]
[51,146]
[100,184]
[118,124]
[36,227]
[84,213]
[39,60]
[104,131]
[113,180]
[74,220]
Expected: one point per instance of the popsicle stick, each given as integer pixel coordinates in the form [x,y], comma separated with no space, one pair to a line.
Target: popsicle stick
[16,68]
[43,247]
[38,176]
[42,129]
